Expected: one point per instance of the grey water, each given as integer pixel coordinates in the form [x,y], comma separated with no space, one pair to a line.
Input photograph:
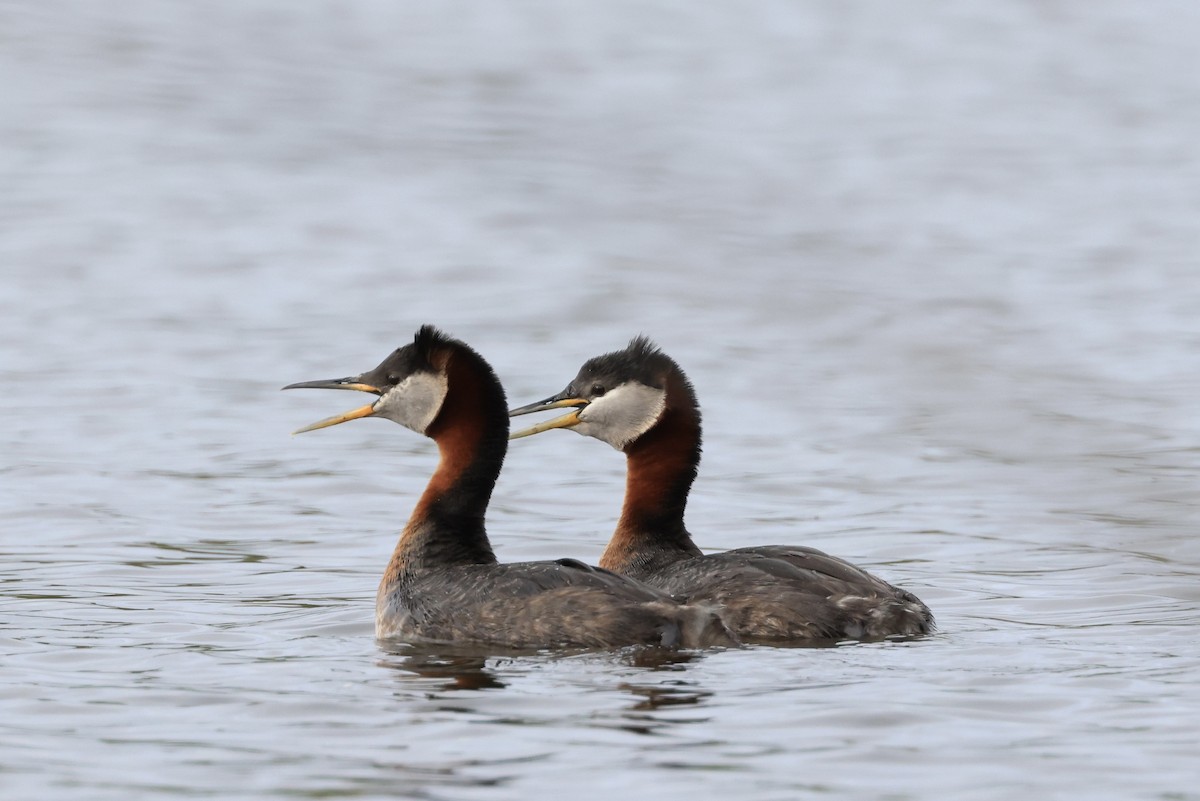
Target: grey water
[932,268]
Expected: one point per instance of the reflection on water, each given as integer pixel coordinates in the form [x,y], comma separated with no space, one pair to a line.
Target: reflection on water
[463,669]
[660,696]
[466,666]
[457,668]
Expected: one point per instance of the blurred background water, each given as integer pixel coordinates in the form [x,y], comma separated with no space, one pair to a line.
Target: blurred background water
[933,272]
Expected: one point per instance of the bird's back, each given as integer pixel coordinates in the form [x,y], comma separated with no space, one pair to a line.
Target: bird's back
[783,593]
[562,603]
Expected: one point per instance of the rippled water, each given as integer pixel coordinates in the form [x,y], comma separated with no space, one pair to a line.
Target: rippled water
[933,272]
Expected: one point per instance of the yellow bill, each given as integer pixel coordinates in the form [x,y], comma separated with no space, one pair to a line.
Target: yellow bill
[566,421]
[362,411]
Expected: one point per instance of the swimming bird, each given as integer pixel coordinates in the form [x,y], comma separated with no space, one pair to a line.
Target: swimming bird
[639,401]
[443,582]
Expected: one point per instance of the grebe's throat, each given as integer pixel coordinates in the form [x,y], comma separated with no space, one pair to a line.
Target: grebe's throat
[471,431]
[661,466]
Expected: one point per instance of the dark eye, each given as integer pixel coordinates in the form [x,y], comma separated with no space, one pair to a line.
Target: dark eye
[393,379]
[597,390]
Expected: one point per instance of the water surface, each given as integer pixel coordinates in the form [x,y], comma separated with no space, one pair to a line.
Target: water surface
[932,271]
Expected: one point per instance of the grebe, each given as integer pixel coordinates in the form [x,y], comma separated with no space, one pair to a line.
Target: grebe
[443,583]
[639,401]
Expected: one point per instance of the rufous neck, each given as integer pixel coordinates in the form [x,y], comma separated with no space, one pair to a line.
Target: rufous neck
[660,468]
[471,432]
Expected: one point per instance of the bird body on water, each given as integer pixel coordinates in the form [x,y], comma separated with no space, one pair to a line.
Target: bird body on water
[639,401]
[443,582]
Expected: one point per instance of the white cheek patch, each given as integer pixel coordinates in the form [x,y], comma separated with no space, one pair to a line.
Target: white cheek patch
[622,415]
[414,402]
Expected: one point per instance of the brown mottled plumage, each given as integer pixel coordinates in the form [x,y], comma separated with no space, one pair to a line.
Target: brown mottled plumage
[640,402]
[443,583]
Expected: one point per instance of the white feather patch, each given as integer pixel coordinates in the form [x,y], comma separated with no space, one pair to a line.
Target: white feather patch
[415,401]
[623,414]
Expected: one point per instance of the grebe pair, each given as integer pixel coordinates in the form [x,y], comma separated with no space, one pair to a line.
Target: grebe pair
[443,583]
[654,586]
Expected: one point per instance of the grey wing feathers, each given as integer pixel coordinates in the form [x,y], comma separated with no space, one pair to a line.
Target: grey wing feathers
[795,593]
[559,603]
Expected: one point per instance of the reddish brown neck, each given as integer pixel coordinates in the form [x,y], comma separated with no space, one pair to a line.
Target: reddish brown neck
[471,431]
[660,468]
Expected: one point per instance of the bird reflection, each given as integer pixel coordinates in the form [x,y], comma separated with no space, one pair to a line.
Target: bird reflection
[466,668]
[643,716]
[659,696]
[659,658]
[463,668]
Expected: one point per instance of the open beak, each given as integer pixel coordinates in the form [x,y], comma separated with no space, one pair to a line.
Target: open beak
[338,383]
[555,402]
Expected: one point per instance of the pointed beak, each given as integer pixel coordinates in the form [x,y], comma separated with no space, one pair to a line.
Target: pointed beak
[353,414]
[338,383]
[554,402]
[353,382]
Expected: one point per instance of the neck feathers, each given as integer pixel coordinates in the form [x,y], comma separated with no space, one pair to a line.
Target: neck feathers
[660,468]
[471,431]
